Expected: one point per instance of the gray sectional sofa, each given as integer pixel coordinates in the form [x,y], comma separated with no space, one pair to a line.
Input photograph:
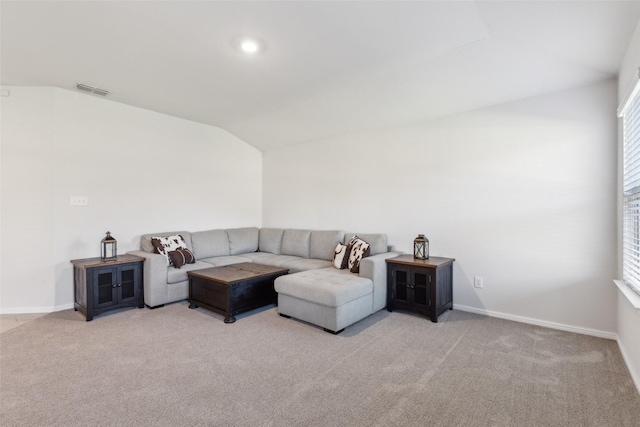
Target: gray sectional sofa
[314,291]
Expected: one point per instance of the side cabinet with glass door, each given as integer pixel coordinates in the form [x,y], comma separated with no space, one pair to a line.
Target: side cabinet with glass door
[421,286]
[100,286]
[410,289]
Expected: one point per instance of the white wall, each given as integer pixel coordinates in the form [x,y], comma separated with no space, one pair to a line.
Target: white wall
[521,194]
[142,172]
[27,194]
[628,318]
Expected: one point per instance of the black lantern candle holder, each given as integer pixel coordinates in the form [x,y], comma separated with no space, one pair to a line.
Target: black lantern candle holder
[109,248]
[421,247]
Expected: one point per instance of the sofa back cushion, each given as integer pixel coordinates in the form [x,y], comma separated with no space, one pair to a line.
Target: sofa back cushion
[145,239]
[243,240]
[296,242]
[323,243]
[271,240]
[377,242]
[210,243]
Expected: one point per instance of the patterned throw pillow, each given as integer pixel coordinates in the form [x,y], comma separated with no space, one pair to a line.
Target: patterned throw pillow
[181,256]
[341,256]
[358,249]
[164,245]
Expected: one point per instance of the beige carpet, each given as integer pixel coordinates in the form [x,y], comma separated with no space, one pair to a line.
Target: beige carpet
[175,366]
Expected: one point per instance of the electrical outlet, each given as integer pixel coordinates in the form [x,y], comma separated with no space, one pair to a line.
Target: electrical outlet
[478,282]
[79,201]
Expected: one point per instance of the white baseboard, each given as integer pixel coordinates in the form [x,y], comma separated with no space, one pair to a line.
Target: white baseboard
[537,322]
[26,310]
[635,376]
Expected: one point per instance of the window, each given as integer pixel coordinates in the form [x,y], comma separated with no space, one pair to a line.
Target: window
[630,113]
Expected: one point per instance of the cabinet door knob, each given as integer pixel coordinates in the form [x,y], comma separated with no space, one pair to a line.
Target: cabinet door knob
[119,284]
[115,285]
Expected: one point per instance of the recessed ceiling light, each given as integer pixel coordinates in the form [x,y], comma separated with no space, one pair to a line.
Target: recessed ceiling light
[248,45]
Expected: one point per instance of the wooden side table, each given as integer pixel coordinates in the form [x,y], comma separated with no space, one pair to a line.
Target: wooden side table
[420,286]
[100,286]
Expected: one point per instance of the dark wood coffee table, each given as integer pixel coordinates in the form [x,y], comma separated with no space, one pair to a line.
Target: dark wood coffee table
[233,289]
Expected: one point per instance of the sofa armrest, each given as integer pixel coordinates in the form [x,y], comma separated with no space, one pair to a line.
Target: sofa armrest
[375,268]
[155,278]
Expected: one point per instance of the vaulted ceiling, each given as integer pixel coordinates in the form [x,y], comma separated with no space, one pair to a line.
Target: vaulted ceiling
[327,68]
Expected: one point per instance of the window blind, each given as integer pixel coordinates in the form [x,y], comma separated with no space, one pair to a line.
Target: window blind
[631,190]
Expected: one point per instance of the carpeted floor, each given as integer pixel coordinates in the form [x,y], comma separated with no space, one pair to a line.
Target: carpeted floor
[175,366]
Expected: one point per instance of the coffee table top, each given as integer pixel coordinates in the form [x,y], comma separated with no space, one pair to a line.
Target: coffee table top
[237,272]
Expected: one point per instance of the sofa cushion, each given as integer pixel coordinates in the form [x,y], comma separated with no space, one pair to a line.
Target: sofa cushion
[219,261]
[210,243]
[296,242]
[278,260]
[358,249]
[164,245]
[295,264]
[176,275]
[323,243]
[377,242]
[243,240]
[181,256]
[145,239]
[326,286]
[304,264]
[340,256]
[257,257]
[271,240]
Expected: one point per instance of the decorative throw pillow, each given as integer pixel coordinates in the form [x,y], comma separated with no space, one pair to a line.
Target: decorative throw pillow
[181,256]
[341,256]
[164,245]
[358,249]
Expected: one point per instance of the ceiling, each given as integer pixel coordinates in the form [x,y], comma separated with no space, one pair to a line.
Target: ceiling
[328,68]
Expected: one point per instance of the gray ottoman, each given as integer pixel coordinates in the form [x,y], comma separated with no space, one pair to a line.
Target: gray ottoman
[330,298]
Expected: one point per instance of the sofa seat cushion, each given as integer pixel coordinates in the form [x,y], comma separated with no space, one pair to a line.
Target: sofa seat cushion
[175,275]
[305,264]
[257,256]
[295,264]
[326,286]
[278,260]
[219,261]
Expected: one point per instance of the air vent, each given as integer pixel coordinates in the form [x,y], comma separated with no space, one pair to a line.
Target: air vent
[102,92]
[84,87]
[95,90]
